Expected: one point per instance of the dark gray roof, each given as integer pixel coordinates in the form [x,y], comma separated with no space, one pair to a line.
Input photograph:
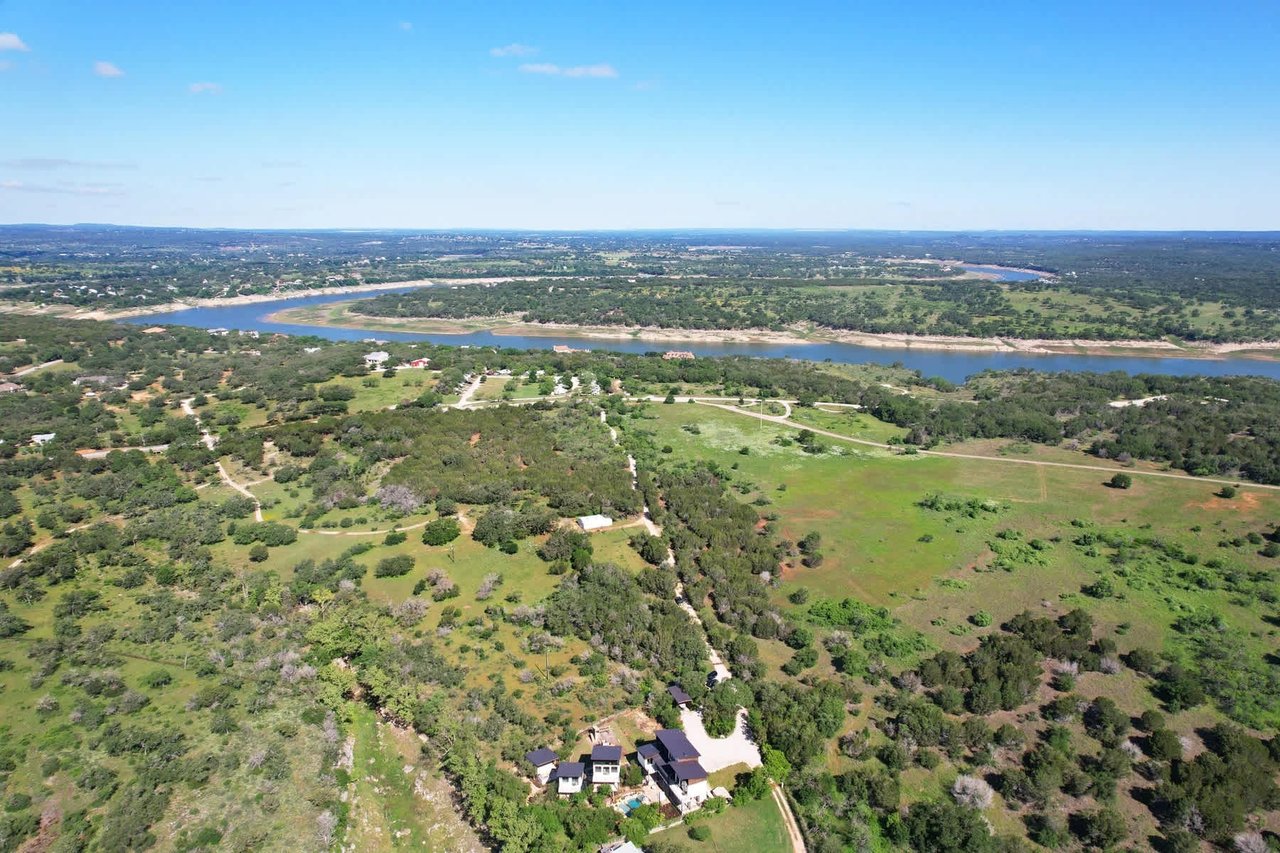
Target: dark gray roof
[676,745]
[648,750]
[568,770]
[678,694]
[687,771]
[601,752]
[542,756]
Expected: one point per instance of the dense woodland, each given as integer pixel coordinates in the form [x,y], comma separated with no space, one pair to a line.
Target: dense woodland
[1207,286]
[939,306]
[165,654]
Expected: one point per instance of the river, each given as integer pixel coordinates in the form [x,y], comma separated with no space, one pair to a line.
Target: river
[954,366]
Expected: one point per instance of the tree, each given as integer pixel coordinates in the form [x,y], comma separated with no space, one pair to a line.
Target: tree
[946,827]
[441,532]
[1102,829]
[775,765]
[1121,481]
[259,553]
[972,792]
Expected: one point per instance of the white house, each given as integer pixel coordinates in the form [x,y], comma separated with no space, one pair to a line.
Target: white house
[544,762]
[594,522]
[606,764]
[43,437]
[376,359]
[673,763]
[568,777]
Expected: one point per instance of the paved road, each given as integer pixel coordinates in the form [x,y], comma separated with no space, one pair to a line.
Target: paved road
[102,453]
[33,368]
[470,390]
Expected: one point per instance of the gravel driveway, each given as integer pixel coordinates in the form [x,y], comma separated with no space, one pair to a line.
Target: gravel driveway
[719,753]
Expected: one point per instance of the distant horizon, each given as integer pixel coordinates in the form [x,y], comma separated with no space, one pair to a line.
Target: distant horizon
[673,229]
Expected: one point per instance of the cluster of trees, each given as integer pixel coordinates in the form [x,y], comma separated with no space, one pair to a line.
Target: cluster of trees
[495,456]
[1120,302]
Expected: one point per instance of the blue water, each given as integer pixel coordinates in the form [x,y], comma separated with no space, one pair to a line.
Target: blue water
[953,366]
[1003,273]
[631,805]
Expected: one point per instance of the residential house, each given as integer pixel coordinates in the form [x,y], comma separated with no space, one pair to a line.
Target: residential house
[544,762]
[9,387]
[678,355]
[376,359]
[673,763]
[606,764]
[43,437]
[622,846]
[102,381]
[594,522]
[421,363]
[154,330]
[568,777]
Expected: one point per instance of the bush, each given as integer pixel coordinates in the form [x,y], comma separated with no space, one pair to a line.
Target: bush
[441,532]
[157,678]
[1120,481]
[700,832]
[395,537]
[393,567]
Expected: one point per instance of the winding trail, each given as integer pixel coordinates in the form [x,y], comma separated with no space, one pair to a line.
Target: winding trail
[793,828]
[210,440]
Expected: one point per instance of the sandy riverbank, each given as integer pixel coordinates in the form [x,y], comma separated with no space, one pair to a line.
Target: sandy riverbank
[340,315]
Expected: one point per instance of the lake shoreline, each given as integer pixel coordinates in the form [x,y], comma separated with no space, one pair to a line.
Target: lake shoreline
[513,326]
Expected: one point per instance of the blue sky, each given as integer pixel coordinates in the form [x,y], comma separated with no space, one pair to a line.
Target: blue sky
[1089,115]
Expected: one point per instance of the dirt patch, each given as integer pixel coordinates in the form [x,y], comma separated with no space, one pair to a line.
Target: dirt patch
[475,439]
[1246,501]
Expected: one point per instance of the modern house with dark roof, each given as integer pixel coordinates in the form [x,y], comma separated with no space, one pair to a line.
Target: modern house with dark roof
[673,763]
[544,762]
[568,777]
[606,764]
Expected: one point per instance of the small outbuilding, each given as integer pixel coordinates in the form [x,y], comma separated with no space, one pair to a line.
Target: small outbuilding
[568,777]
[544,763]
[43,437]
[594,522]
[682,699]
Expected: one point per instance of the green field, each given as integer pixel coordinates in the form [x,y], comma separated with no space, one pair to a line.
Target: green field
[756,826]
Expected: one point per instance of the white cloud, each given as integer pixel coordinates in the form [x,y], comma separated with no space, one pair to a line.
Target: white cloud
[205,88]
[515,49]
[600,70]
[107,69]
[50,163]
[61,189]
[10,41]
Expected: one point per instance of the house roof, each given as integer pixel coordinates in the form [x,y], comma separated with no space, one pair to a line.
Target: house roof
[676,745]
[688,771]
[601,752]
[648,750]
[568,770]
[678,694]
[541,756]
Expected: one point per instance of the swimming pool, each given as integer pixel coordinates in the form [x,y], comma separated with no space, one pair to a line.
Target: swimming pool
[632,804]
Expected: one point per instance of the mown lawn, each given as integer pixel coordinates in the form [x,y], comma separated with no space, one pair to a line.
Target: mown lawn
[756,826]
